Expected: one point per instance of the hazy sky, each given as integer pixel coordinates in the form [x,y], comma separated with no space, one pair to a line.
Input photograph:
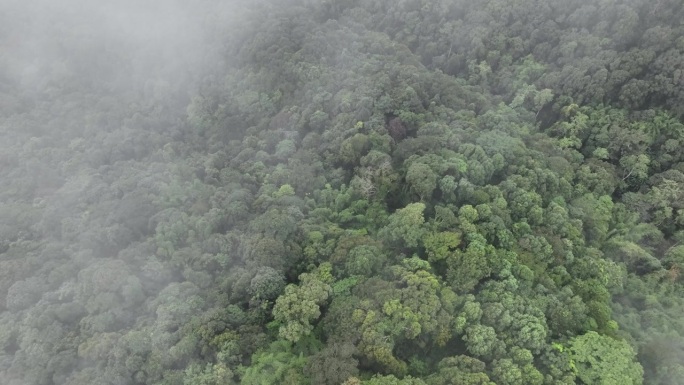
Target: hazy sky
[126,41]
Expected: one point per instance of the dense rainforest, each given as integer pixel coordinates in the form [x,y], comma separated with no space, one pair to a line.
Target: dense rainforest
[376,192]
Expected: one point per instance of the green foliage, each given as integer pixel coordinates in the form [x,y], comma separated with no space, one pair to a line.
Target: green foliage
[300,304]
[343,192]
[421,179]
[352,149]
[601,359]
[217,374]
[364,260]
[277,364]
[391,380]
[267,284]
[405,226]
[440,245]
[466,268]
[460,370]
[332,365]
[481,341]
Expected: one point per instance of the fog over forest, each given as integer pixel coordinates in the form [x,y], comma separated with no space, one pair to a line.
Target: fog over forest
[341,192]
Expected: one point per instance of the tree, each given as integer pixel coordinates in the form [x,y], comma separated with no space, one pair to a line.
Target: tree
[600,359]
[391,380]
[440,245]
[421,179]
[567,313]
[353,148]
[300,305]
[23,294]
[466,268]
[396,129]
[412,309]
[364,260]
[211,374]
[276,365]
[405,226]
[267,284]
[333,364]
[460,370]
[483,342]
[635,167]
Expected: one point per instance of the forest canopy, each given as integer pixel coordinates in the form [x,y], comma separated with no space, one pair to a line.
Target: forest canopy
[342,192]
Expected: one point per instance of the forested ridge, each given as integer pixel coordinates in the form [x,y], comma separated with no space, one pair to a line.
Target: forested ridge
[331,192]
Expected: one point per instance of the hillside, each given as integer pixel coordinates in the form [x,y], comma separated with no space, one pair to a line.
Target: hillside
[345,192]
